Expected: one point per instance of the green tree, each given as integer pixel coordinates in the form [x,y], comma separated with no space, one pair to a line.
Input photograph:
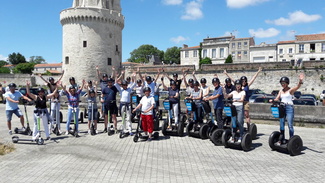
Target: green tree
[229,59]
[4,70]
[16,58]
[37,60]
[140,55]
[173,55]
[24,68]
[206,60]
[2,63]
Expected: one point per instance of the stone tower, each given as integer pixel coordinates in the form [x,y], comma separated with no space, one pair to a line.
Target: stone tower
[92,35]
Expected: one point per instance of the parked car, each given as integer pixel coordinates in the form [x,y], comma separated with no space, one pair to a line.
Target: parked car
[264,99]
[32,90]
[297,94]
[304,102]
[275,92]
[254,91]
[254,96]
[309,96]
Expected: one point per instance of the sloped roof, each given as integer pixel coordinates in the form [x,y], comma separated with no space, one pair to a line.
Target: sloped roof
[286,42]
[189,48]
[49,65]
[310,37]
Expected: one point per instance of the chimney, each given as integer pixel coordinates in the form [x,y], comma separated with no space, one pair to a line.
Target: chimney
[185,46]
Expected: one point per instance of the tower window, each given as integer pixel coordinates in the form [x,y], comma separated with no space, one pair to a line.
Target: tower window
[66,60]
[109,61]
[84,44]
[116,48]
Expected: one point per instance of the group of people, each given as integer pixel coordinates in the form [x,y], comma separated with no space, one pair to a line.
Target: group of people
[146,89]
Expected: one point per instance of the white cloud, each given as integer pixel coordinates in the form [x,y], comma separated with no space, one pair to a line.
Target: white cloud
[193,10]
[261,33]
[295,18]
[243,3]
[3,57]
[178,39]
[172,2]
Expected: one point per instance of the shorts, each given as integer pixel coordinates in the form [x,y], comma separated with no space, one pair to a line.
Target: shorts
[111,107]
[94,113]
[246,105]
[17,112]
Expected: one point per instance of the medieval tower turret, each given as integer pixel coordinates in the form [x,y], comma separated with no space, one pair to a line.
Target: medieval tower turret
[92,35]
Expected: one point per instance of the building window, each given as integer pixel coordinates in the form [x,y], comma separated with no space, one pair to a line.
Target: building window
[36,69]
[116,48]
[245,53]
[312,47]
[245,44]
[214,53]
[290,50]
[323,47]
[239,54]
[270,56]
[321,58]
[84,44]
[66,60]
[233,45]
[233,54]
[204,53]
[186,54]
[194,53]
[283,60]
[239,45]
[222,52]
[281,51]
[109,61]
[301,48]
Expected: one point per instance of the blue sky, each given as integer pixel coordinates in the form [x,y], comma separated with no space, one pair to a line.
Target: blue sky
[32,27]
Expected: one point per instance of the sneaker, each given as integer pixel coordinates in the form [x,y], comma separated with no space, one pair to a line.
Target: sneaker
[96,131]
[115,130]
[67,133]
[48,138]
[105,130]
[231,140]
[10,132]
[149,139]
[89,132]
[239,140]
[131,133]
[23,129]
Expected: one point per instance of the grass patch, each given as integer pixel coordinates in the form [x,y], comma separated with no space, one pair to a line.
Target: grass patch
[6,148]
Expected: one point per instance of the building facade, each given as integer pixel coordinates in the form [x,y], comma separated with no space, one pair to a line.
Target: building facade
[239,49]
[190,56]
[263,53]
[92,36]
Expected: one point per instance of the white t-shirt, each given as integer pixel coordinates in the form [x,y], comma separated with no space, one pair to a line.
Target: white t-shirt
[237,96]
[125,94]
[139,90]
[147,102]
[205,90]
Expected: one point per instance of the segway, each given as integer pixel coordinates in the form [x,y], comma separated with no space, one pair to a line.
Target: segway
[92,125]
[58,118]
[294,145]
[157,114]
[122,128]
[246,141]
[175,129]
[195,128]
[139,136]
[135,117]
[74,131]
[110,130]
[27,131]
[39,140]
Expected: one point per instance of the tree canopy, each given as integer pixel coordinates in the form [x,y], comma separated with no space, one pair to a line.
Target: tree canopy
[172,55]
[140,55]
[2,63]
[16,58]
[229,59]
[37,60]
[24,68]
[206,60]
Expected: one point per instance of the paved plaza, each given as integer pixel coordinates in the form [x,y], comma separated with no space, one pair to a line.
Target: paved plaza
[103,158]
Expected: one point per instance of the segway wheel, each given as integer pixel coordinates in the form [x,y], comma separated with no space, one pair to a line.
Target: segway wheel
[40,141]
[164,128]
[76,134]
[180,129]
[109,132]
[61,117]
[15,139]
[274,137]
[216,137]
[135,138]
[189,127]
[85,112]
[16,130]
[246,142]
[121,134]
[253,130]
[295,145]
[156,135]
[81,117]
[225,137]
[156,124]
[204,131]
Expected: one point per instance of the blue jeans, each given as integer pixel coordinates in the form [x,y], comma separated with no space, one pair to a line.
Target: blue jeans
[289,114]
[238,120]
[70,115]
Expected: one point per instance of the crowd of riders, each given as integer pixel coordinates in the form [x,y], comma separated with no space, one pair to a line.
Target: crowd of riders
[146,89]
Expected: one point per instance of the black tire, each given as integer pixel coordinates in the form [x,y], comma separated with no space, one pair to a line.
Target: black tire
[81,118]
[61,117]
[156,135]
[189,127]
[156,124]
[16,130]
[295,145]
[225,137]
[216,137]
[135,138]
[121,135]
[246,142]
[180,129]
[85,112]
[164,128]
[274,137]
[204,131]
[253,131]
[40,141]
[15,139]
